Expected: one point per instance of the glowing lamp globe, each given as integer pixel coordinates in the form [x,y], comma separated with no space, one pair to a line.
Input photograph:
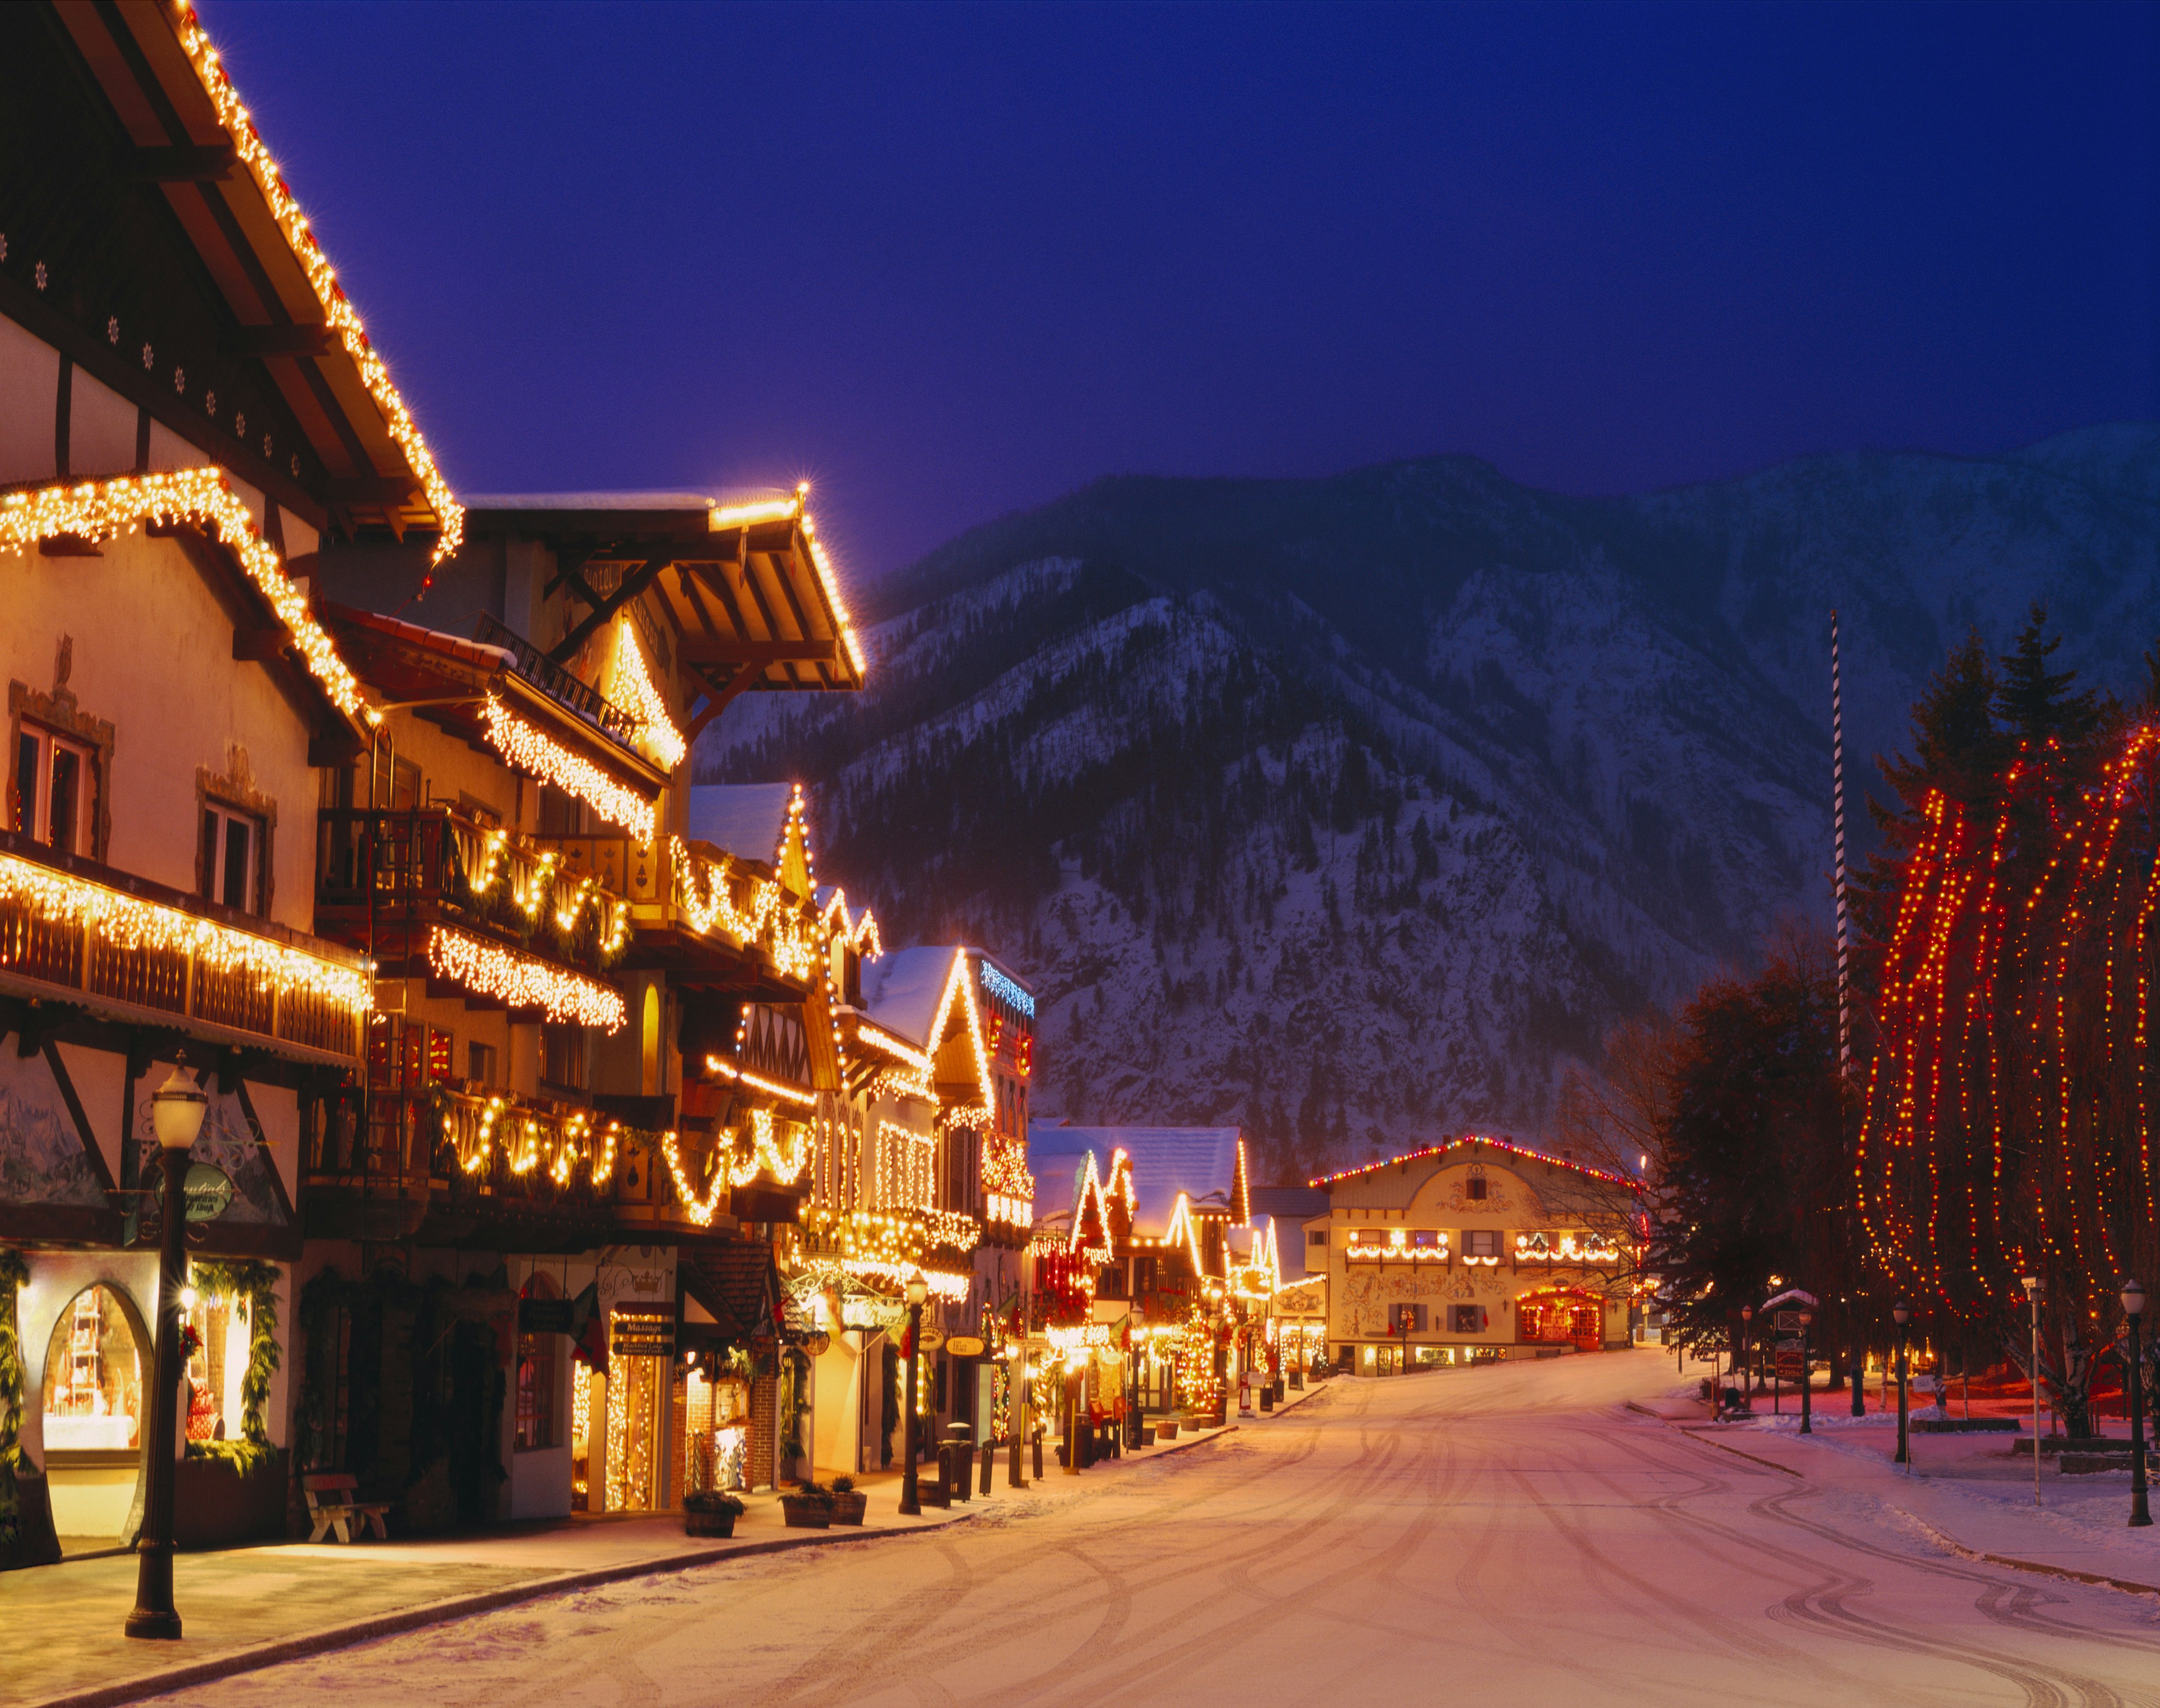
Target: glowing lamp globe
[177,1108]
[2133,1298]
[1903,1312]
[918,1290]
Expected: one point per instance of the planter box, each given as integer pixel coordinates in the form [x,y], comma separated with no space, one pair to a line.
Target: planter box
[698,1523]
[1965,1425]
[213,1505]
[849,1509]
[806,1514]
[35,1542]
[2068,1444]
[1165,1432]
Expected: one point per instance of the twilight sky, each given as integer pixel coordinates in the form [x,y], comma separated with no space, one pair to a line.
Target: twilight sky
[952,260]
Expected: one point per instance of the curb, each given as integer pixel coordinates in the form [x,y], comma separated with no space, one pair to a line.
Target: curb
[1768,1464]
[212,1667]
[2100,1579]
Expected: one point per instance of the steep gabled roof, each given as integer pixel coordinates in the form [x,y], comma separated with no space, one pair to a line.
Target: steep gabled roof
[1203,1166]
[1507,1146]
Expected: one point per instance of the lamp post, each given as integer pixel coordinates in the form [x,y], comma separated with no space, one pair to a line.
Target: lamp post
[177,1110]
[2032,1285]
[1748,1339]
[918,1290]
[1859,1374]
[2133,1307]
[1903,1313]
[1807,1378]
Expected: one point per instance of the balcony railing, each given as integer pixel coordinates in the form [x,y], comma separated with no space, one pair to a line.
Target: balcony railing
[419,865]
[558,684]
[77,926]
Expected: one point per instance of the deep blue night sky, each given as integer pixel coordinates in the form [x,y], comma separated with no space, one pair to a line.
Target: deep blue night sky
[950,261]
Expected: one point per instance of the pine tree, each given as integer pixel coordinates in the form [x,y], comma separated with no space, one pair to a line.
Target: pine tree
[2037,703]
[1957,746]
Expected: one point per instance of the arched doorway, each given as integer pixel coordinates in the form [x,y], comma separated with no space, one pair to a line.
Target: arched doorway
[93,1415]
[1561,1316]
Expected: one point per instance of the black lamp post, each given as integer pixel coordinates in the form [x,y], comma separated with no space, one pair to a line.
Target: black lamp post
[2133,1306]
[918,1290]
[1903,1313]
[177,1110]
[2032,1285]
[1807,1378]
[1748,1339]
[1859,1373]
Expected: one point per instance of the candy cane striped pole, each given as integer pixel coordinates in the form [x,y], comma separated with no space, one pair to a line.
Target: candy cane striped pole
[1837,821]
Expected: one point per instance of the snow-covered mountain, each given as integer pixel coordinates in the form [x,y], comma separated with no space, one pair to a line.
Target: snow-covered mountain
[1354,809]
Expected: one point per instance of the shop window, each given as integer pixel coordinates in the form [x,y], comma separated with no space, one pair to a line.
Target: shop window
[231,859]
[536,1391]
[563,1057]
[56,784]
[93,1401]
[223,1335]
[1466,1319]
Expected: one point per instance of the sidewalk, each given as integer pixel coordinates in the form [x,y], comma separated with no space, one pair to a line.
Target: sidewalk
[250,1608]
[1968,1493]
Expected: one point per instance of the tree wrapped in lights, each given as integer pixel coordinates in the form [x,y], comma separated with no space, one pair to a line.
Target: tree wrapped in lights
[2009,1126]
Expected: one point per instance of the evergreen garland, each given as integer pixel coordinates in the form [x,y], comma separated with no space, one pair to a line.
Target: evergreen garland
[14,1272]
[255,1281]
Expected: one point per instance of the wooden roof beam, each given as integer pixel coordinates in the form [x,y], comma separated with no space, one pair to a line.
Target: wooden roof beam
[759,652]
[185,164]
[279,341]
[631,586]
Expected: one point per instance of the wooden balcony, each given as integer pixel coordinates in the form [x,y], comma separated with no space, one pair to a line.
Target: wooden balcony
[74,931]
[384,879]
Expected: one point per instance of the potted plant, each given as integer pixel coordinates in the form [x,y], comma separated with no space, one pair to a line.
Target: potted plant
[707,1512]
[809,1508]
[848,1502]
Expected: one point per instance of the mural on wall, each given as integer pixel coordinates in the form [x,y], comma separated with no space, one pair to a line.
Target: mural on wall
[1367,1294]
[229,1141]
[41,1159]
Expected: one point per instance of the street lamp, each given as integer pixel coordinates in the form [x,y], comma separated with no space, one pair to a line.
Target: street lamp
[1903,1313]
[2133,1307]
[177,1110]
[2032,1285]
[1807,1380]
[918,1290]
[1748,1339]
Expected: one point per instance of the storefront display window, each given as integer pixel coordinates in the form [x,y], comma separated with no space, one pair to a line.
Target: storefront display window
[715,1407]
[223,1331]
[536,1391]
[93,1378]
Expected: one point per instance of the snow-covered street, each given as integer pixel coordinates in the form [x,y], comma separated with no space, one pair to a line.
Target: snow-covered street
[1510,1531]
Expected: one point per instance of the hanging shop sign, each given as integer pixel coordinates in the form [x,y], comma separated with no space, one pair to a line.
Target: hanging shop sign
[206,1191]
[546,1315]
[933,1336]
[965,1346]
[642,1333]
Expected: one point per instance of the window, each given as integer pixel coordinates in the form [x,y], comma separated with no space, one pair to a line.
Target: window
[1475,1188]
[560,814]
[1482,1242]
[1316,1236]
[563,1057]
[536,1391]
[231,857]
[55,791]
[93,1378]
[479,1063]
[1406,1317]
[1466,1319]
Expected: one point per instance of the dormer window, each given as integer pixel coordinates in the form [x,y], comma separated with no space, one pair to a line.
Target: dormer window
[231,857]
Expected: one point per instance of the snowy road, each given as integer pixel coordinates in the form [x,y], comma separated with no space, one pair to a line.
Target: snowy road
[1508,1534]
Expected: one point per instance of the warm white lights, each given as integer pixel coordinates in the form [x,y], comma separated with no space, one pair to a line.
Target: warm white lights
[337,311]
[520,981]
[758,1082]
[99,510]
[537,754]
[633,689]
[128,922]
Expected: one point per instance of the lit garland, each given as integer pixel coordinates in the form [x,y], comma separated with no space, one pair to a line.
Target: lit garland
[102,510]
[538,754]
[859,934]
[1007,991]
[129,923]
[337,310]
[488,969]
[565,1142]
[634,689]
[951,1228]
[700,1210]
[534,885]
[704,892]
[785,1163]
[1394,1245]
[1019,1212]
[1571,1248]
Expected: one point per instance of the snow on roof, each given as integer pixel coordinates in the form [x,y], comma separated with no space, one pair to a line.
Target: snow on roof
[1061,1153]
[746,819]
[1291,1203]
[589,501]
[1489,1142]
[1199,1162]
[903,988]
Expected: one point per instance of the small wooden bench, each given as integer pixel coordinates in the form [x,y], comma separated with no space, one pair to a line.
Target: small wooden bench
[331,1505]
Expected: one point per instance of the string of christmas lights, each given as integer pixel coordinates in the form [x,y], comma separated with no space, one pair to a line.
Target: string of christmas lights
[337,309]
[129,923]
[633,689]
[520,981]
[103,510]
[538,754]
